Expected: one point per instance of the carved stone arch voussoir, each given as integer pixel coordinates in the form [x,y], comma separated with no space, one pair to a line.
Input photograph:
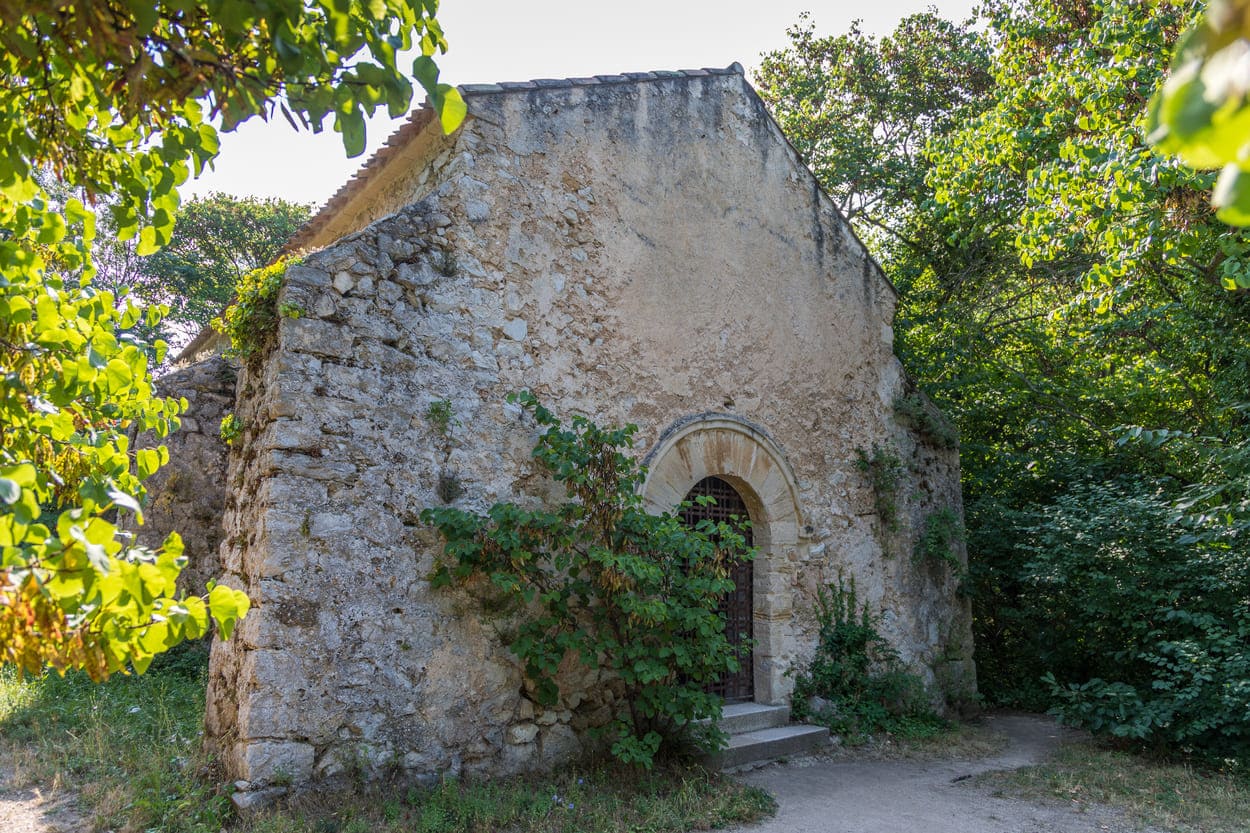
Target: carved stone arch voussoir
[729,447]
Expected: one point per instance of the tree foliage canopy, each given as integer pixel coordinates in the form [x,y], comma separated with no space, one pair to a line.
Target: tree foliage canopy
[115,101]
[1069,296]
[860,110]
[216,241]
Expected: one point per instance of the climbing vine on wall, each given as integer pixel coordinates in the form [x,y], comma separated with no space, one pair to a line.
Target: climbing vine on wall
[632,593]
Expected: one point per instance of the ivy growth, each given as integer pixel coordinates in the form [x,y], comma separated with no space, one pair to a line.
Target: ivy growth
[230,429]
[597,577]
[253,317]
[936,545]
[884,470]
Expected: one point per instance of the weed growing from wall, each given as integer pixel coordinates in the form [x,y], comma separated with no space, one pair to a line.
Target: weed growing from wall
[441,417]
[884,470]
[231,428]
[936,545]
[632,593]
[252,319]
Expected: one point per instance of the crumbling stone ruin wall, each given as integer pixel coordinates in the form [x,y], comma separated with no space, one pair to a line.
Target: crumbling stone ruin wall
[188,495]
[638,250]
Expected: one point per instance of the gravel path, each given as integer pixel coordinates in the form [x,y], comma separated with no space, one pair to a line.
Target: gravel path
[844,795]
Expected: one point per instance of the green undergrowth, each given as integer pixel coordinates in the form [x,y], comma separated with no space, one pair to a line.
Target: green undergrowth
[614,799]
[130,750]
[1164,794]
[855,683]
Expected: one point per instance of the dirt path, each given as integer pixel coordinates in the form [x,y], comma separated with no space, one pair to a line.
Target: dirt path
[32,811]
[846,795]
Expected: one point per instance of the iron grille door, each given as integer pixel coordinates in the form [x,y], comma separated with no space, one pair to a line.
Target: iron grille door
[737,605]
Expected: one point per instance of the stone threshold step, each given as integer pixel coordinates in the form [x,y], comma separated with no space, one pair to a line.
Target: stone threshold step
[740,718]
[771,743]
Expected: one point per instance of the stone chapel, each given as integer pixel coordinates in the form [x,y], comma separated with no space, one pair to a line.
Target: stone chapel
[643,248]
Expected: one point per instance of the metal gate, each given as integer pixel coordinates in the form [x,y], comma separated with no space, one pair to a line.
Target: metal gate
[737,605]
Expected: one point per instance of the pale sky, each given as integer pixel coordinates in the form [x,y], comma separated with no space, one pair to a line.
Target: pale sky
[516,40]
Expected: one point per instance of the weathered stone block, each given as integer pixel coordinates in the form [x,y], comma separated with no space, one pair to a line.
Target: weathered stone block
[317,337]
[266,761]
[306,276]
[522,733]
[559,744]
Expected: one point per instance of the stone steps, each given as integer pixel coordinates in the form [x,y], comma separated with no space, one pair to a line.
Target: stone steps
[759,733]
[740,718]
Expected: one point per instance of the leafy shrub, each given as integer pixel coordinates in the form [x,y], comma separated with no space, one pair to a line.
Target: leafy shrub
[1149,635]
[631,593]
[253,317]
[858,674]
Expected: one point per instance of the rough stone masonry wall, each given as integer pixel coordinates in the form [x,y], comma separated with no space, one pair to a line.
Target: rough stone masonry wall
[188,495]
[635,252]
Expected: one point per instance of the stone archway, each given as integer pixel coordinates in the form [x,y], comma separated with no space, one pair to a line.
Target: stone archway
[742,454]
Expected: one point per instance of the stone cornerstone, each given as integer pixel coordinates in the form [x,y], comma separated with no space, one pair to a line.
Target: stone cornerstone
[641,249]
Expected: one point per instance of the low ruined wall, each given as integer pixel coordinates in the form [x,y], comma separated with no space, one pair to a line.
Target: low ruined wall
[188,495]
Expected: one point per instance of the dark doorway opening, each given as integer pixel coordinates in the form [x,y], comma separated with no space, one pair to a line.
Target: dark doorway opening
[737,605]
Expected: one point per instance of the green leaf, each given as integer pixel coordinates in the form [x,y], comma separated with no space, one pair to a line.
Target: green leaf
[148,242]
[118,374]
[227,607]
[147,461]
[23,474]
[1232,196]
[451,107]
[426,72]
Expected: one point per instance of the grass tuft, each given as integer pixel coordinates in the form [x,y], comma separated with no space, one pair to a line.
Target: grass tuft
[130,748]
[613,799]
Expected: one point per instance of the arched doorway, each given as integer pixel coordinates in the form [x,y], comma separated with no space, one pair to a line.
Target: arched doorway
[741,454]
[737,606]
